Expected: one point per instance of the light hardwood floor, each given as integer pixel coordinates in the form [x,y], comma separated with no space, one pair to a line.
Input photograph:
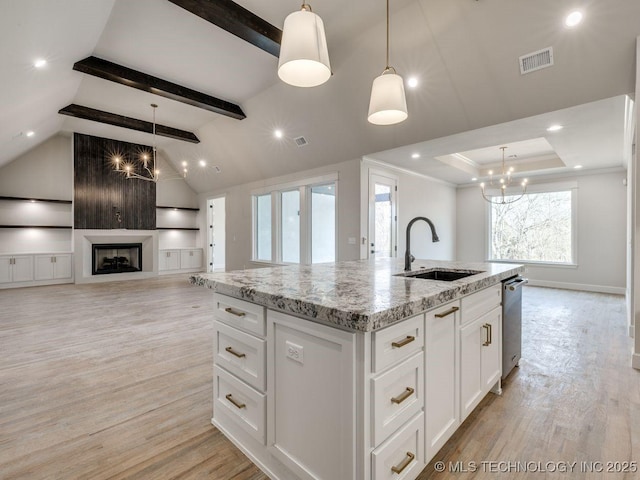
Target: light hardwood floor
[113,381]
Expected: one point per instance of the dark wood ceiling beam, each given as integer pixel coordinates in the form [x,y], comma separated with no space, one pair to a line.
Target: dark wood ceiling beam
[237,20]
[109,118]
[148,83]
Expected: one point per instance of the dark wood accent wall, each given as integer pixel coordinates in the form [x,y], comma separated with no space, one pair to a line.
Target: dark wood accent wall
[100,193]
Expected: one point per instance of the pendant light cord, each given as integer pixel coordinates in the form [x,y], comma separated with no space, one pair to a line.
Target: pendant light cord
[387,35]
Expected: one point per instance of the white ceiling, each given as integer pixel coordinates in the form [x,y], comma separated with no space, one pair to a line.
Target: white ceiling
[464,53]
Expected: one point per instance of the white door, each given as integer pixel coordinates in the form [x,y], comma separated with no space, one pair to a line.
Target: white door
[215,234]
[383,217]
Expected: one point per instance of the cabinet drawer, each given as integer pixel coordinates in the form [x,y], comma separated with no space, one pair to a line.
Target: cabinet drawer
[240,353]
[479,303]
[397,342]
[398,394]
[241,314]
[238,401]
[402,456]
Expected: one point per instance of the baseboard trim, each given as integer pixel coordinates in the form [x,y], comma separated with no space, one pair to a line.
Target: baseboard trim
[578,286]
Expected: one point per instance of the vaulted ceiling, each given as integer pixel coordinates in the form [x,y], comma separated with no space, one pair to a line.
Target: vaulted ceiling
[464,54]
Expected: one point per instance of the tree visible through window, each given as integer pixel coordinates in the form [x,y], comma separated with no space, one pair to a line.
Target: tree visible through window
[538,228]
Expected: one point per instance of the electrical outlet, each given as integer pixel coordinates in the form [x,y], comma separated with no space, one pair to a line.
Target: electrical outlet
[295,352]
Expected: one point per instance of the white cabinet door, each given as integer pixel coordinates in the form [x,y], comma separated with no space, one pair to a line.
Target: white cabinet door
[169,260]
[311,417]
[6,266]
[22,268]
[62,266]
[471,388]
[191,258]
[44,267]
[442,411]
[491,360]
[480,359]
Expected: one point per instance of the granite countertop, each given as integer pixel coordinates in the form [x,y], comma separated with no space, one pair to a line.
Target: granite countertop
[360,295]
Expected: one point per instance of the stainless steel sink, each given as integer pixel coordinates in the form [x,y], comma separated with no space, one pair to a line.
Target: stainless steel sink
[441,275]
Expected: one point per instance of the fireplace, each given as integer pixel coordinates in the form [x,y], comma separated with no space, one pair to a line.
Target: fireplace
[116,258]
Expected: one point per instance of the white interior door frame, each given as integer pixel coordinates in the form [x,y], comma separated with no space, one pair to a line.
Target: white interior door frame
[382,178]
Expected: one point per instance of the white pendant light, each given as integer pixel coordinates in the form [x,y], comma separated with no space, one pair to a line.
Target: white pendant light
[388,104]
[304,58]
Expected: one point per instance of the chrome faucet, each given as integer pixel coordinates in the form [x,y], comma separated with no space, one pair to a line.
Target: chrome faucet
[408,258]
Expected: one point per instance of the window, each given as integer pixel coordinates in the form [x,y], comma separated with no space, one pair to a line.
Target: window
[323,223]
[296,223]
[537,228]
[291,226]
[263,227]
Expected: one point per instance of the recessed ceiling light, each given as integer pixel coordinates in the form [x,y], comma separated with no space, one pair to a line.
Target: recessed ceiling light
[184,163]
[577,167]
[415,155]
[278,133]
[39,63]
[412,82]
[573,19]
[203,163]
[554,128]
[474,179]
[30,133]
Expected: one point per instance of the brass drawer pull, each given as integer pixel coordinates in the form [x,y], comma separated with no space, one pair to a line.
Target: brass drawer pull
[447,313]
[403,396]
[235,402]
[404,464]
[234,353]
[487,342]
[404,342]
[234,312]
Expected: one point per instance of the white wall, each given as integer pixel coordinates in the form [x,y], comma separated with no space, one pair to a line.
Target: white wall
[174,193]
[239,212]
[418,196]
[46,171]
[601,236]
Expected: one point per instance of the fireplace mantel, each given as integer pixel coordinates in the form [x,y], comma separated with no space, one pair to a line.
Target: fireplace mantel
[83,247]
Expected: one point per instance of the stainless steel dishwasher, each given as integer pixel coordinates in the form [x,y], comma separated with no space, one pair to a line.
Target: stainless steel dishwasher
[511,323]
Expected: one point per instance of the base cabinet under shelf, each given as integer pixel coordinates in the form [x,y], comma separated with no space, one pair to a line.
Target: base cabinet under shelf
[180,259]
[50,267]
[16,268]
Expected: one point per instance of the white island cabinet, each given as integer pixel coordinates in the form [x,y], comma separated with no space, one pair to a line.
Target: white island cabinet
[325,393]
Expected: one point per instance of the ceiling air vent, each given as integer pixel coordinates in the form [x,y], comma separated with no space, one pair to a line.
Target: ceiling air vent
[536,60]
[301,141]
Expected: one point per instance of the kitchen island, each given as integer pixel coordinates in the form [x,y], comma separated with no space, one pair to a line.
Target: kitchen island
[352,370]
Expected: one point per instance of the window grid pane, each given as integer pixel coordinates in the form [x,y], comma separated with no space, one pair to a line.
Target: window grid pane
[290,232]
[537,227]
[323,223]
[263,227]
